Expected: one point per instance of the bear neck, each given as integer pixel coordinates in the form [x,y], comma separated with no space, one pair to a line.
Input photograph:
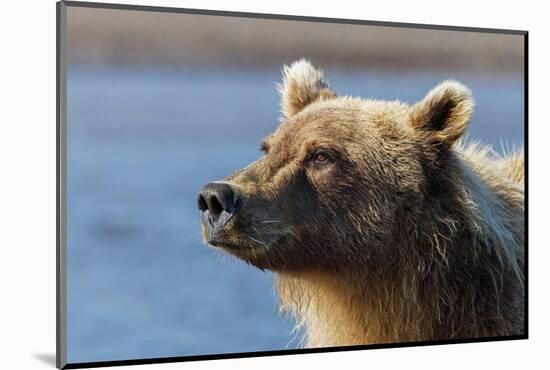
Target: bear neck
[425,295]
[337,309]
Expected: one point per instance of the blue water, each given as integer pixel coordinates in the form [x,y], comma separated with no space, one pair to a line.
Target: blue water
[141,143]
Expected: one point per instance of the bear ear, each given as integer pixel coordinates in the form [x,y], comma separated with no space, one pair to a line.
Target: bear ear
[442,116]
[302,85]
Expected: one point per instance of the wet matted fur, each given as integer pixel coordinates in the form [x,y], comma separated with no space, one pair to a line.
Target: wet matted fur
[381,225]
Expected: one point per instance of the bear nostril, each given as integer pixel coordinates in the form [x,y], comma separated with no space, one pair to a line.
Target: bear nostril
[215,207]
[203,206]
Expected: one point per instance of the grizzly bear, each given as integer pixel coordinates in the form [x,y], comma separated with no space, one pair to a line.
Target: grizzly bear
[380,224]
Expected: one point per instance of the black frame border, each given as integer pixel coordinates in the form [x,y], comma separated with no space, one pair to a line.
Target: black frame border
[61,155]
[61,198]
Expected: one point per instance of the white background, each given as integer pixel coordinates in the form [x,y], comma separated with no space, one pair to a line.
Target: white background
[27,173]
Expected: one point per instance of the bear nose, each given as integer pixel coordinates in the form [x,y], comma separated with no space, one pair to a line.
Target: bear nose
[219,200]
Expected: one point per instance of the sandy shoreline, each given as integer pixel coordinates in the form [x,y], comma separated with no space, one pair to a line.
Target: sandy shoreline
[108,36]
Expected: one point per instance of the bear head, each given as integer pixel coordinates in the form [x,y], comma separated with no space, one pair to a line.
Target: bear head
[341,181]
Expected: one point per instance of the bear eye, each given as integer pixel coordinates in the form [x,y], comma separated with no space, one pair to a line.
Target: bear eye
[320,157]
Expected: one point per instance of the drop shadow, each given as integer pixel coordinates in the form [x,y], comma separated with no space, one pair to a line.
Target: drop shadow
[47,358]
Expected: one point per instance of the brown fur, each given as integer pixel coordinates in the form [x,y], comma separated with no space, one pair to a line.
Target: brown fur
[402,233]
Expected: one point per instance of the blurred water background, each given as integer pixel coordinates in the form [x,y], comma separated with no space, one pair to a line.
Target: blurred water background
[160,104]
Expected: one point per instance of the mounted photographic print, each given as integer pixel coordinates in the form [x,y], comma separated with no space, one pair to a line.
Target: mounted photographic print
[236,185]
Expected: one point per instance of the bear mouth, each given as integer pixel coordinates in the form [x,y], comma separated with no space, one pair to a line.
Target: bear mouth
[220,242]
[242,250]
[225,244]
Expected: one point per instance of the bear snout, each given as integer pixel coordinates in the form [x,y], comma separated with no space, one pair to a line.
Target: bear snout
[217,203]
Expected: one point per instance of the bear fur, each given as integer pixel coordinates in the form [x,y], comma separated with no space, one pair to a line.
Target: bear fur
[380,224]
